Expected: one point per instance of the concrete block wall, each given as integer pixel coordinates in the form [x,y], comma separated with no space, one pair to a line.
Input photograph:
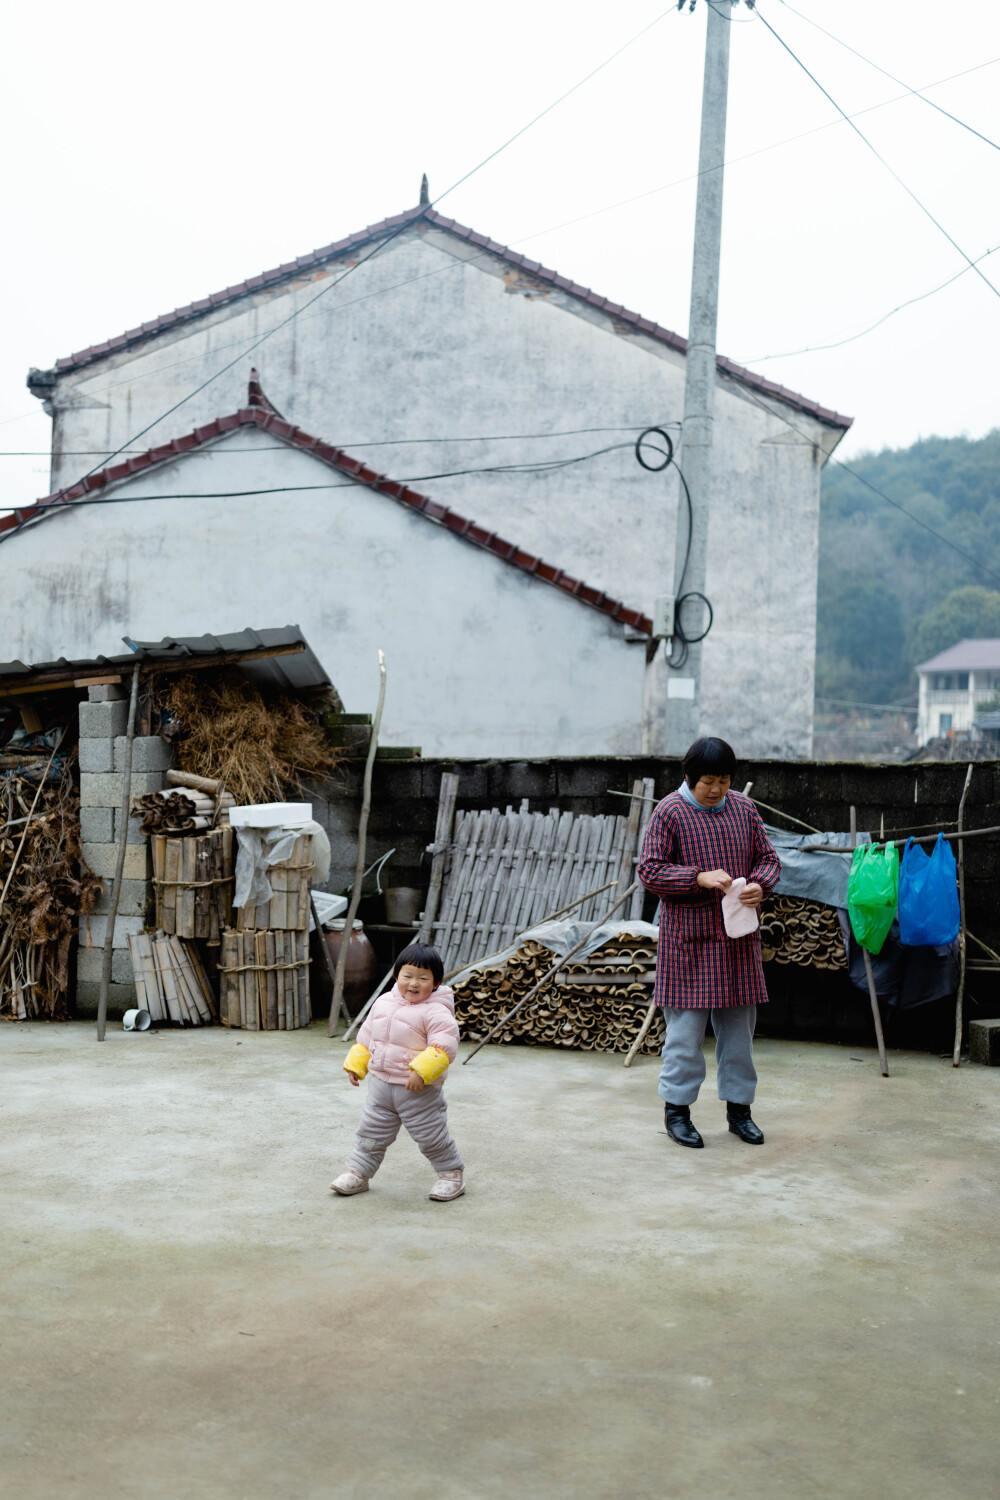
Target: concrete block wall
[102,752]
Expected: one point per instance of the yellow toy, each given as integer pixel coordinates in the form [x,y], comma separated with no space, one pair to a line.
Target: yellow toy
[357,1060]
[430,1063]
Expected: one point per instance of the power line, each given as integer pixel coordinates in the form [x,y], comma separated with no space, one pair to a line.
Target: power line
[381,245]
[886,74]
[759,359]
[876,153]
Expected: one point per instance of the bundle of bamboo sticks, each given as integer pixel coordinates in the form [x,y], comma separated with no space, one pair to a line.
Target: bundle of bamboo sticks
[170,980]
[794,930]
[509,869]
[288,908]
[265,980]
[596,1004]
[193,880]
[180,810]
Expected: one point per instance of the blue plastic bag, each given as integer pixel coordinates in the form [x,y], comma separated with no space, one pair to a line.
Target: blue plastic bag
[928,896]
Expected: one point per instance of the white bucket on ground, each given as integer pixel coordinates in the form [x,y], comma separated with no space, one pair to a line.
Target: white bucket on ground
[136,1020]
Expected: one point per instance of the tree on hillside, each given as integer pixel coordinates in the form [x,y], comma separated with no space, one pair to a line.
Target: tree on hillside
[966,614]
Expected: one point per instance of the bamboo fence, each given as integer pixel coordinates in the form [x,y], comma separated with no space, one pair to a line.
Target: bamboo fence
[170,979]
[193,880]
[264,978]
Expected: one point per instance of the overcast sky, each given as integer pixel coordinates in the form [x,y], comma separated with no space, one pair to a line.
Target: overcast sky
[155,155]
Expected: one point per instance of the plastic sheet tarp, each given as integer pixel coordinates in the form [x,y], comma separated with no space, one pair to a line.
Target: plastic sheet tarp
[817,877]
[560,937]
[261,848]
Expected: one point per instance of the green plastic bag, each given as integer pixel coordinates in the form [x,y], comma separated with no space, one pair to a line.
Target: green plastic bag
[872,893]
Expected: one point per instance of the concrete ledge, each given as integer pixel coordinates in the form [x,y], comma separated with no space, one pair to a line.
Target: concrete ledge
[132,900]
[149,753]
[103,860]
[984,1043]
[132,836]
[97,755]
[97,824]
[121,997]
[107,790]
[94,929]
[102,721]
[90,961]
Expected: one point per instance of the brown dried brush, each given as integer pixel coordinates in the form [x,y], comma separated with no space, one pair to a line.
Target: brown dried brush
[257,747]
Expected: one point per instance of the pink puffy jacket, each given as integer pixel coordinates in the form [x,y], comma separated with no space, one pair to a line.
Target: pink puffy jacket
[394,1031]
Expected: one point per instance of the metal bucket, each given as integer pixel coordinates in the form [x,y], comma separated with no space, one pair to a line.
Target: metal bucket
[403,904]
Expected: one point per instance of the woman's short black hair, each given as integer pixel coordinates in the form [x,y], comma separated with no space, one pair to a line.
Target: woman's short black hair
[708,756]
[420,956]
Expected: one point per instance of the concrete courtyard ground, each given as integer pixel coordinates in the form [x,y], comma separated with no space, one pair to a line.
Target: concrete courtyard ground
[188,1312]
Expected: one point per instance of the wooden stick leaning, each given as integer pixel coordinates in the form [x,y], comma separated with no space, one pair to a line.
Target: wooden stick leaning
[647,1022]
[873,997]
[956,1056]
[442,842]
[116,888]
[619,901]
[359,869]
[329,961]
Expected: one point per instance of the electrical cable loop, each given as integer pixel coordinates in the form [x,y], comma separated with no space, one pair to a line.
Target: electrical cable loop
[682,640]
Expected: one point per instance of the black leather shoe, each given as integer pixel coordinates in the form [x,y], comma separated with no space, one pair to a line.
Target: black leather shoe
[679,1127]
[741,1124]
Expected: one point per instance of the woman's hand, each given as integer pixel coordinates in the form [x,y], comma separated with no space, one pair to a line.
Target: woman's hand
[751,894]
[715,880]
[355,1080]
[414,1083]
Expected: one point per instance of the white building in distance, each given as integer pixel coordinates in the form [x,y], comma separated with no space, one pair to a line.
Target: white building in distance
[503,392]
[953,684]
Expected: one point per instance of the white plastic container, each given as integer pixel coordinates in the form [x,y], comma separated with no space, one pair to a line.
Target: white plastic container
[271,815]
[135,1020]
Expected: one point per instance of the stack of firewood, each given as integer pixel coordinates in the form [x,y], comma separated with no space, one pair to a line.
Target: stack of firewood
[265,980]
[193,880]
[170,979]
[180,810]
[595,1004]
[794,930]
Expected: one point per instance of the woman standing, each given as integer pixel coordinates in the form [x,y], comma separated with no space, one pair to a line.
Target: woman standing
[699,839]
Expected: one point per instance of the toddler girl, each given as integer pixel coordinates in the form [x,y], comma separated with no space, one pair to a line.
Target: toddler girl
[406,1043]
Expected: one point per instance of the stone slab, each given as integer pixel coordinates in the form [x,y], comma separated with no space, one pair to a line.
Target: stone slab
[149,753]
[984,1043]
[97,755]
[133,834]
[102,721]
[97,824]
[134,898]
[121,997]
[106,692]
[90,962]
[103,860]
[108,790]
[94,930]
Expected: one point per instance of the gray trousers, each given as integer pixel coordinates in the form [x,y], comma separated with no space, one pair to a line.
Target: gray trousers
[388,1106]
[683,1070]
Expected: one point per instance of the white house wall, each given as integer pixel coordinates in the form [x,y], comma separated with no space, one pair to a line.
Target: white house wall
[453,347]
[482,659]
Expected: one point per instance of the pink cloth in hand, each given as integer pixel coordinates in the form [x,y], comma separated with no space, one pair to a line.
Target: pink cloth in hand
[738,919]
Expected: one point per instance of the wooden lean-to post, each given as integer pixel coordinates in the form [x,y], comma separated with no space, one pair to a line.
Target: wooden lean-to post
[366,801]
[956,1056]
[116,888]
[442,840]
[873,997]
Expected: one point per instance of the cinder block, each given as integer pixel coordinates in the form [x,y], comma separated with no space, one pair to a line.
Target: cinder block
[132,836]
[984,1043]
[133,899]
[121,997]
[97,756]
[107,790]
[149,753]
[94,930]
[96,823]
[90,962]
[103,860]
[106,692]
[102,721]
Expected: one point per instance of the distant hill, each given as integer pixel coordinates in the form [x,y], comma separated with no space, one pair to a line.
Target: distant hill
[890,593]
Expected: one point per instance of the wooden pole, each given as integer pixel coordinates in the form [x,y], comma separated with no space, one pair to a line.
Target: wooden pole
[956,1056]
[116,888]
[329,961]
[873,997]
[442,840]
[618,901]
[366,801]
[643,1031]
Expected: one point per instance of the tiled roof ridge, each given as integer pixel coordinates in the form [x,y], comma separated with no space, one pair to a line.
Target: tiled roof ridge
[984,655]
[443,515]
[534,268]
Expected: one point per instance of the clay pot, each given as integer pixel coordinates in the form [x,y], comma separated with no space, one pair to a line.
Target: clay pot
[359,977]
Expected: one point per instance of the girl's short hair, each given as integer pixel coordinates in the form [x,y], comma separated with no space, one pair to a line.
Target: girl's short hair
[708,756]
[420,956]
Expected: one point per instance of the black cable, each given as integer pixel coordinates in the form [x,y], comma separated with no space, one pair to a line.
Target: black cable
[681,641]
[886,74]
[878,155]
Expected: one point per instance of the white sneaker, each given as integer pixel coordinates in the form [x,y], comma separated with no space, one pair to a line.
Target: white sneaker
[349,1182]
[449,1185]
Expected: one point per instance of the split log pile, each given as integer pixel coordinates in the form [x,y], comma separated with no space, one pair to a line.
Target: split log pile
[193,880]
[593,1005]
[794,930]
[288,907]
[265,980]
[170,979]
[508,870]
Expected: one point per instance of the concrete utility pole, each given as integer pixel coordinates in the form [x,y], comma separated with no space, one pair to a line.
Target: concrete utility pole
[684,685]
